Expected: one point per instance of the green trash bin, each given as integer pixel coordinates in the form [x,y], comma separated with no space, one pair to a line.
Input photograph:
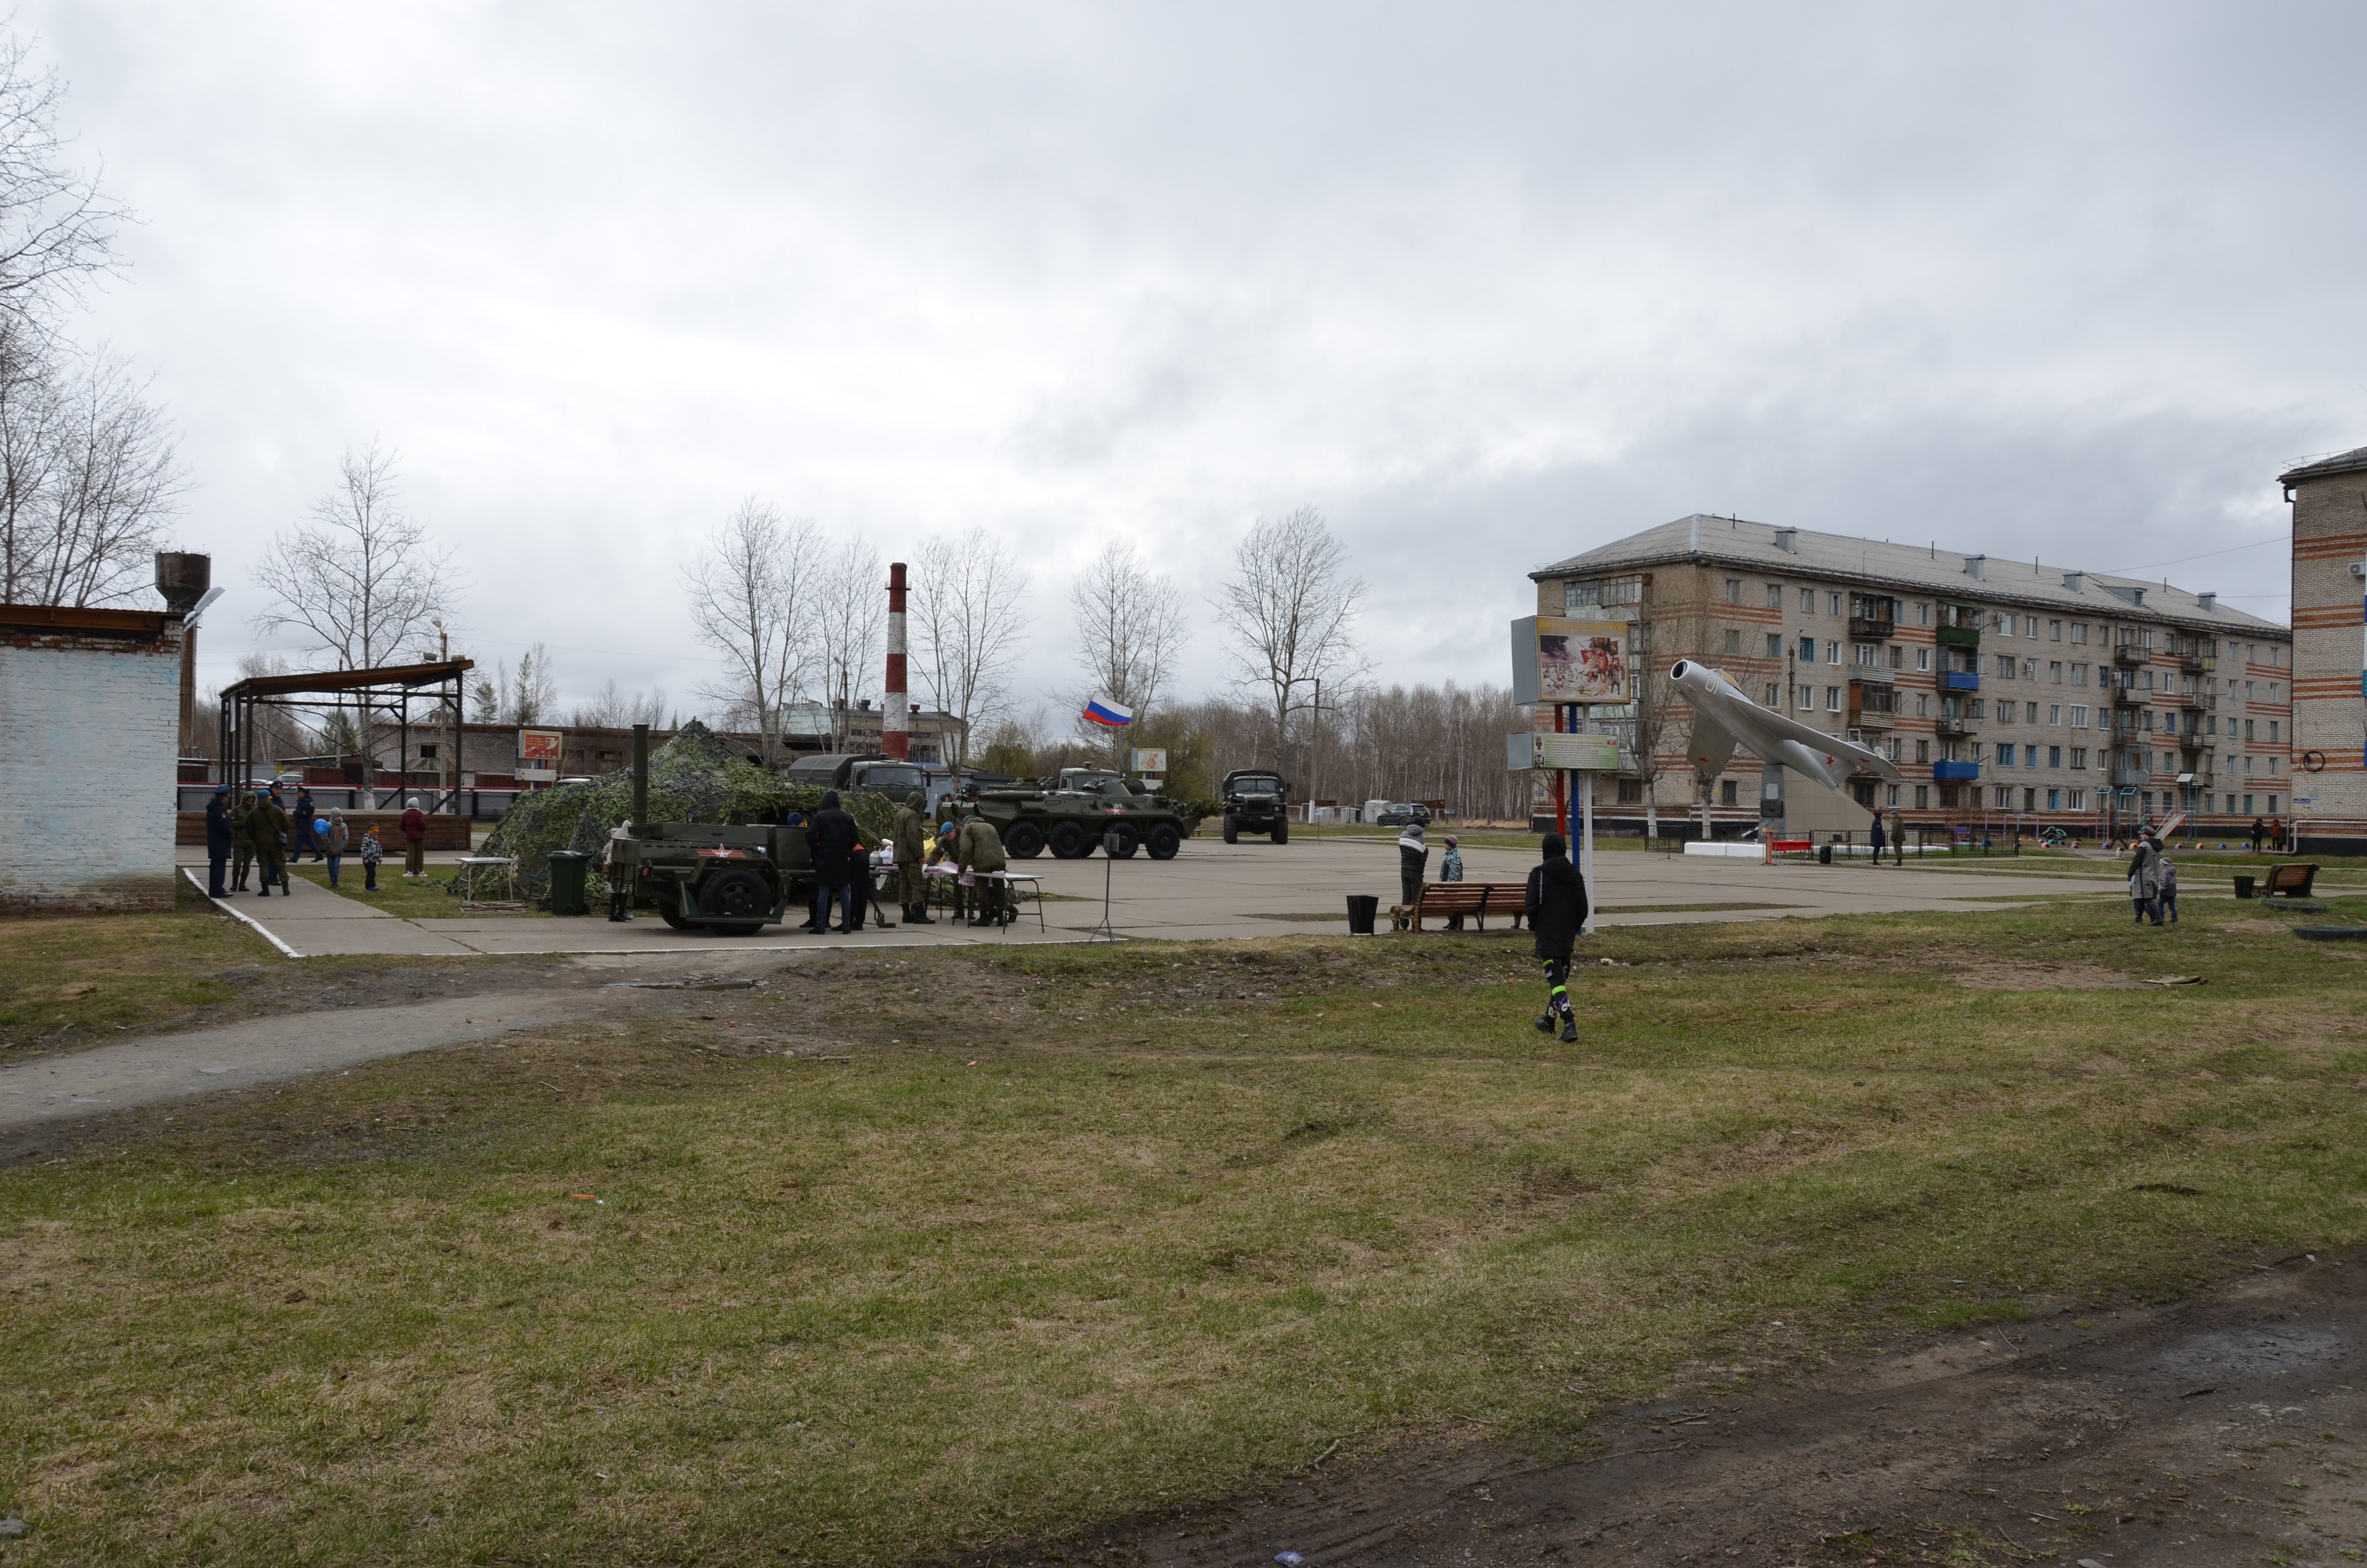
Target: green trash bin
[567,869]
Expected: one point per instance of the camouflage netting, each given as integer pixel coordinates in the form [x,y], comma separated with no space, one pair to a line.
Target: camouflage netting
[693,778]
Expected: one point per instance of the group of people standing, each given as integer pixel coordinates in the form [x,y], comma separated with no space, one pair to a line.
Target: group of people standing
[254,829]
[2153,881]
[843,867]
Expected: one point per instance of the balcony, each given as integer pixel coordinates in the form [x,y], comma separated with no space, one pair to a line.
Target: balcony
[1958,636]
[2197,663]
[1950,771]
[1868,718]
[1956,725]
[1959,680]
[1866,628]
[2196,739]
[2129,656]
[2198,702]
[2130,777]
[2129,696]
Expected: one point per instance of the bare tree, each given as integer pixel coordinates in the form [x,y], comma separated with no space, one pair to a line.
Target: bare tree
[534,691]
[87,476]
[1290,606]
[1129,631]
[359,578]
[850,621]
[614,709]
[965,603]
[56,227]
[751,597]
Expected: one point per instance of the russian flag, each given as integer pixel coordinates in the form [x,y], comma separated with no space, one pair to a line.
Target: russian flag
[1108,715]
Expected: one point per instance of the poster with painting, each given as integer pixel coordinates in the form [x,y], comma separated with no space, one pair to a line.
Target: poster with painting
[1559,660]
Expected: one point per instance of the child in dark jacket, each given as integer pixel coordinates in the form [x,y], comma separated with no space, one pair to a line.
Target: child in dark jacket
[1556,913]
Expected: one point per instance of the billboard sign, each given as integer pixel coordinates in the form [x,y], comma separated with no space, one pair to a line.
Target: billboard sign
[1541,749]
[538,755]
[1147,761]
[1558,660]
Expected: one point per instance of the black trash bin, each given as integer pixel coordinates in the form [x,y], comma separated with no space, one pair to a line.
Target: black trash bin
[567,868]
[1824,854]
[2243,887]
[1362,909]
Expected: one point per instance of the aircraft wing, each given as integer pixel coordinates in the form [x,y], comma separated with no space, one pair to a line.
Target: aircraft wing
[1711,746]
[1819,740]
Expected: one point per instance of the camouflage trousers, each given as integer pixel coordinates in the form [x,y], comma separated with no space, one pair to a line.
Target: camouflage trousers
[911,886]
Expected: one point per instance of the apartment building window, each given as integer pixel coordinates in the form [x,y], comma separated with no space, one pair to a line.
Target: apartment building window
[2055,672]
[1832,604]
[1775,596]
[2029,756]
[2005,713]
[2273,697]
[2005,754]
[2247,728]
[2055,799]
[1922,618]
[1897,656]
[1774,694]
[2078,675]
[1808,601]
[1923,705]
[1922,658]
[1979,710]
[2005,667]
[1733,590]
[2075,801]
[2055,632]
[2030,799]
[2271,768]
[1892,798]
[1804,697]
[2029,669]
[2273,731]
[1832,651]
[1807,650]
[1832,699]
[2078,632]
[1726,793]
[1734,642]
[1774,645]
[1922,797]
[2055,712]
[1864,653]
[2005,797]
[1922,751]
[2079,759]
[2053,756]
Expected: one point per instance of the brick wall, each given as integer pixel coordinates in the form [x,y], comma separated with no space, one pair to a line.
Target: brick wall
[91,724]
[2329,720]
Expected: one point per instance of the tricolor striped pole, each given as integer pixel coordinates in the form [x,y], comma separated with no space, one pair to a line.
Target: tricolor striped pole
[896,724]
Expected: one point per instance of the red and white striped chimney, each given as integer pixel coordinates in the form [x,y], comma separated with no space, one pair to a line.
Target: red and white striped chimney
[896,724]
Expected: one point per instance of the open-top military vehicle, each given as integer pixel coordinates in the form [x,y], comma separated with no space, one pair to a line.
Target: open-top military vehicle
[1070,814]
[1256,801]
[732,881]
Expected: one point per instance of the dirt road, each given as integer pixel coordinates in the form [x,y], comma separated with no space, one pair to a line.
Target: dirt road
[2220,1431]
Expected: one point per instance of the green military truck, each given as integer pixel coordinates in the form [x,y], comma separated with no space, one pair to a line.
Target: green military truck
[1257,800]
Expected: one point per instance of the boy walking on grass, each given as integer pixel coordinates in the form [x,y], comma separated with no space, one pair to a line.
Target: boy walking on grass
[1557,911]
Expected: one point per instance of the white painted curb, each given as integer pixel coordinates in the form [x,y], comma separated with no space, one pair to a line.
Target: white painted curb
[244,918]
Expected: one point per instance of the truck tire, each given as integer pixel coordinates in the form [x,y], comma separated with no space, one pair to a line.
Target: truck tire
[1127,841]
[1282,831]
[672,916]
[1069,843]
[1025,840]
[735,897]
[1162,841]
[1232,828]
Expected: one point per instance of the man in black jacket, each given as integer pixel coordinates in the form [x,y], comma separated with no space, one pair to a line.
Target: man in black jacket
[832,837]
[1557,912]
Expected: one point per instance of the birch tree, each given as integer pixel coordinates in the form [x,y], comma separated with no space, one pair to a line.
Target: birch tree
[87,475]
[750,595]
[1129,628]
[1290,607]
[851,630]
[965,606]
[360,578]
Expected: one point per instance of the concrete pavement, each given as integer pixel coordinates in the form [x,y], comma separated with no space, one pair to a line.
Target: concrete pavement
[1211,891]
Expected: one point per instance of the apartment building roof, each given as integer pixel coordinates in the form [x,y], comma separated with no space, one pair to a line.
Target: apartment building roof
[1942,573]
[2352,462]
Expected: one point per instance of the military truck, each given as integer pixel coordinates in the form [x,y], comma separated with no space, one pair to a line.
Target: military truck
[731,880]
[1069,815]
[1256,801]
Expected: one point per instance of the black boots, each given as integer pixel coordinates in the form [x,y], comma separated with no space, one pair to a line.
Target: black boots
[917,915]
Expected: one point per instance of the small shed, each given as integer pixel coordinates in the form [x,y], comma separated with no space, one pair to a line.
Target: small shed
[90,727]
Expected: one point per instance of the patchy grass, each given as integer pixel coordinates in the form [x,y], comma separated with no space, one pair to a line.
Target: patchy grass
[1071,1233]
[426,898]
[75,979]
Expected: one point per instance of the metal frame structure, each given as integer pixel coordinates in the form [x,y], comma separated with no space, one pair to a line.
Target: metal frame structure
[373,694]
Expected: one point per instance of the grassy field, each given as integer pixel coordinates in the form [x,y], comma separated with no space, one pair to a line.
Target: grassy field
[423,900]
[75,979]
[904,1257]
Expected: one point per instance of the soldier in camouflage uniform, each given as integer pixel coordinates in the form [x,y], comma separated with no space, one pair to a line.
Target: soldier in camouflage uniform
[910,839]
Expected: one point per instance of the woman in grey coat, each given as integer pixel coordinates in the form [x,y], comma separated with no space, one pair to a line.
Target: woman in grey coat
[2144,879]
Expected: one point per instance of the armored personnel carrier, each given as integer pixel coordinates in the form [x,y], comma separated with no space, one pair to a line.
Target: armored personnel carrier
[1256,801]
[1069,815]
[732,881]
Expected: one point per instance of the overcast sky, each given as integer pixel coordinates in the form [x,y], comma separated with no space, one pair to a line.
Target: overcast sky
[1489,287]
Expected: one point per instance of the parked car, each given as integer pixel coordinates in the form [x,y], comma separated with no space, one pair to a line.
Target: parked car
[1403,814]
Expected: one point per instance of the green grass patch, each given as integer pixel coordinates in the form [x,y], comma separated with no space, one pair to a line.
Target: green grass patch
[68,978]
[1076,1232]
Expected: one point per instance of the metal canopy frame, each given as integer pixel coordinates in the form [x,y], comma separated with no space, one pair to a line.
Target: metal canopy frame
[383,692]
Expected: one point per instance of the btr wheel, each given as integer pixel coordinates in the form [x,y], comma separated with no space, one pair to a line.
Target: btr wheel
[1025,840]
[1069,843]
[1232,828]
[1282,832]
[1162,841]
[1120,841]
[737,895]
[674,917]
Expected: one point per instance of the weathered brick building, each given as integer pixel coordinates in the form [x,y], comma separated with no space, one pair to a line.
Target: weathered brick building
[2009,693]
[2330,599]
[90,714]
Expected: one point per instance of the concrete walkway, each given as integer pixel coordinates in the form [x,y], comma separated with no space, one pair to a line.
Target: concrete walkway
[1213,890]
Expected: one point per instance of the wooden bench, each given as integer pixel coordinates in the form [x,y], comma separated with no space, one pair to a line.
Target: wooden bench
[1479,899]
[2289,880]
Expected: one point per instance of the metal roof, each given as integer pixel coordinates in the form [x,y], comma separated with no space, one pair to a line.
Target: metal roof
[325,681]
[1940,573]
[2352,462]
